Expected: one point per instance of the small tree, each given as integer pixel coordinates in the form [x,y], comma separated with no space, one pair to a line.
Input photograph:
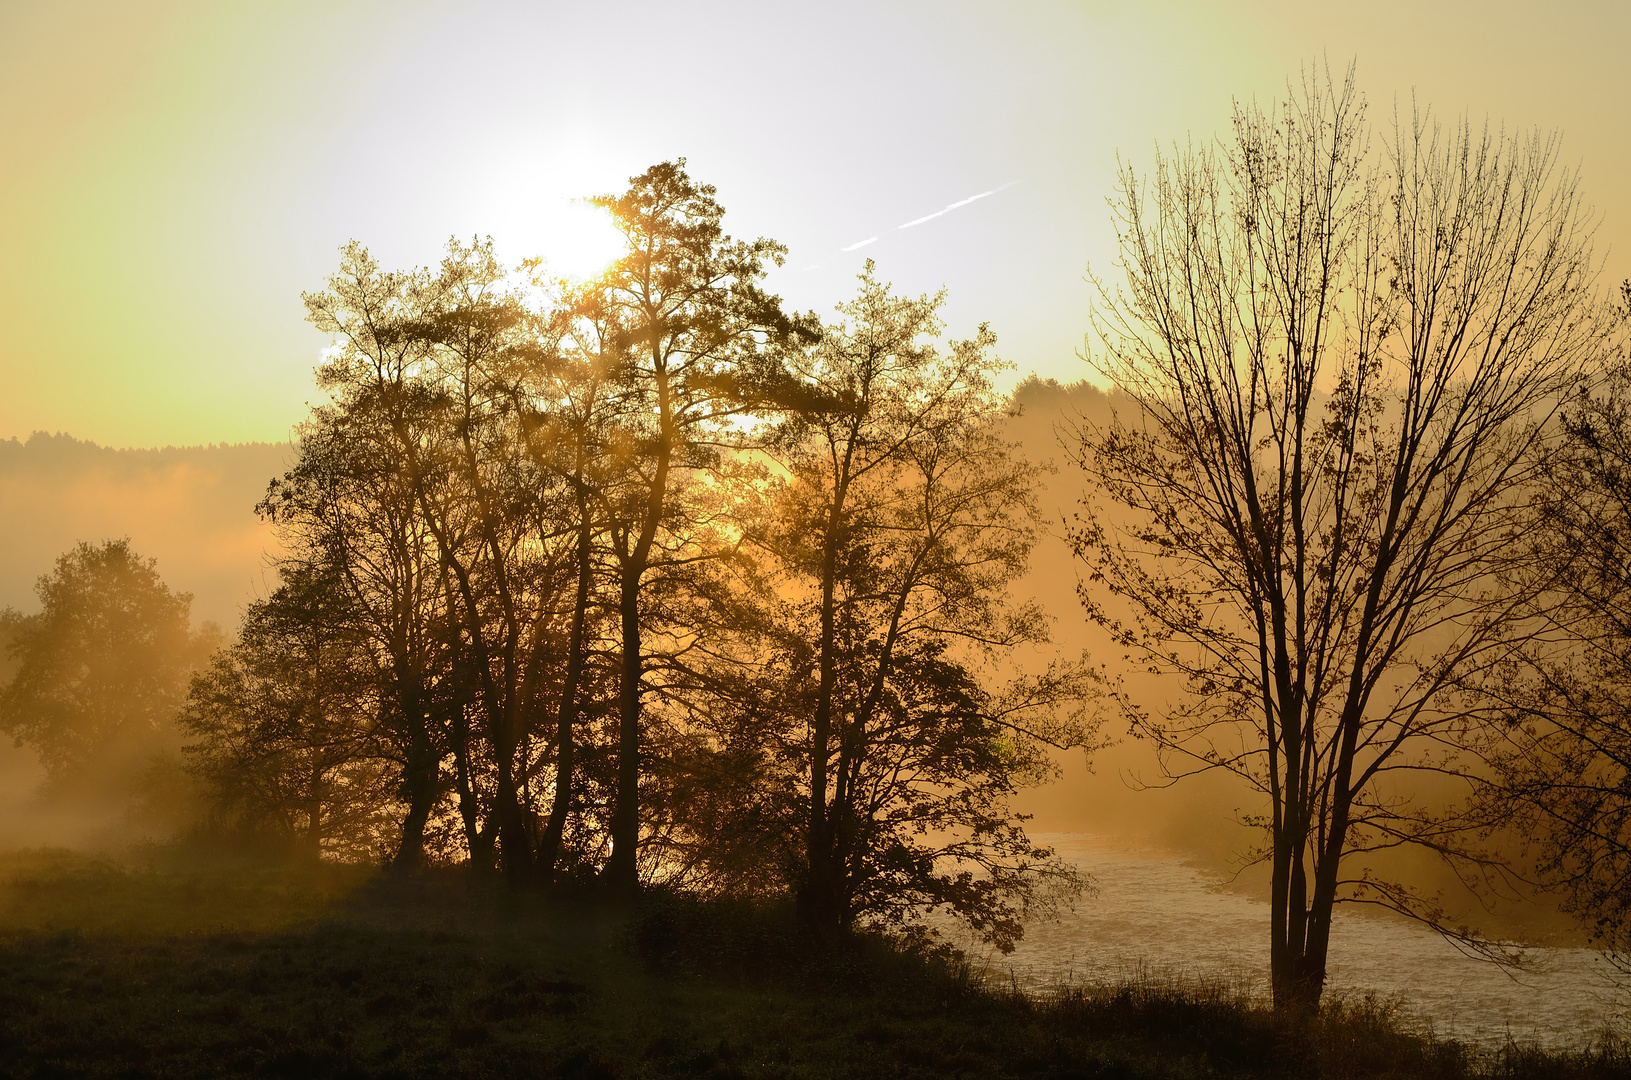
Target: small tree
[285,725]
[1342,368]
[103,666]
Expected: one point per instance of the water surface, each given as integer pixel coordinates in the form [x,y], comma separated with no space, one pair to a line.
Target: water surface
[1155,912]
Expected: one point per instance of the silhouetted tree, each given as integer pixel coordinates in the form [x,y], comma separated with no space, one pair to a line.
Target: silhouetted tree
[102,667]
[565,410]
[285,723]
[352,502]
[459,494]
[505,528]
[1344,367]
[1562,775]
[692,326]
[906,519]
[551,512]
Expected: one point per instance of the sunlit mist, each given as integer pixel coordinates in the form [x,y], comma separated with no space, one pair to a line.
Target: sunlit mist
[911,538]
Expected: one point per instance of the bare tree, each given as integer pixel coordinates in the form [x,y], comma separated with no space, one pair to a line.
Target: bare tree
[1343,362]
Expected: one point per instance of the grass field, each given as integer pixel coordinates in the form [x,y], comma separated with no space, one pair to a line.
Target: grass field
[247,969]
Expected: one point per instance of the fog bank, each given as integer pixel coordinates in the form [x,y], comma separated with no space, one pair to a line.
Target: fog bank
[190,508]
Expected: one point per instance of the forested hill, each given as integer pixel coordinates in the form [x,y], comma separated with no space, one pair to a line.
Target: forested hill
[191,508]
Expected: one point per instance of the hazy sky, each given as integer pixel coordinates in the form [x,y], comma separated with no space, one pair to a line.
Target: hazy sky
[173,175]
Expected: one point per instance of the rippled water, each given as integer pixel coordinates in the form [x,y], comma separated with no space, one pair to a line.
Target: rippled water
[1155,912]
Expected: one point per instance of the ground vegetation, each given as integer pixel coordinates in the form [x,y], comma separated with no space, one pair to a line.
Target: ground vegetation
[236,968]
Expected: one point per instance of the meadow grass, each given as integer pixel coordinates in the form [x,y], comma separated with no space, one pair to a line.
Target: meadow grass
[240,967]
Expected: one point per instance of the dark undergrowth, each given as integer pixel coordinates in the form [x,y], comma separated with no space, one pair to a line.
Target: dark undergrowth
[253,969]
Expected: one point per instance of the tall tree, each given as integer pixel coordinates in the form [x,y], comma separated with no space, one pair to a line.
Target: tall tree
[504,527]
[693,329]
[1342,364]
[564,409]
[456,478]
[906,519]
[352,501]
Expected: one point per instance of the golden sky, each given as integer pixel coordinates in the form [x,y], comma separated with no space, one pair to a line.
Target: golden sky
[174,174]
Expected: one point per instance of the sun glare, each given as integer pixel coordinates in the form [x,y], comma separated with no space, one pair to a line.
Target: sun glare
[579,240]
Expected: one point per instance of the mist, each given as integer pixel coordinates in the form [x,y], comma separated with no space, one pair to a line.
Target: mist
[191,509]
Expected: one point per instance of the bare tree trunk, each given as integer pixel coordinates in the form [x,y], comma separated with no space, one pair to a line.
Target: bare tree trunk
[818,900]
[418,784]
[566,717]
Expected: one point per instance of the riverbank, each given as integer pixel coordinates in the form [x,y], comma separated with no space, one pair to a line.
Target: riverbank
[327,971]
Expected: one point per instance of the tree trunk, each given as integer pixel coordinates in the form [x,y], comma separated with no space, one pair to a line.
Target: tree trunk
[514,841]
[549,849]
[498,708]
[818,898]
[418,788]
[314,812]
[621,872]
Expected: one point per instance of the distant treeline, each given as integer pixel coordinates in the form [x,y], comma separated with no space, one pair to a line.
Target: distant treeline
[185,506]
[44,451]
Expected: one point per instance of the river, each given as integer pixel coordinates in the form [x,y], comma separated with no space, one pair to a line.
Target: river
[1153,912]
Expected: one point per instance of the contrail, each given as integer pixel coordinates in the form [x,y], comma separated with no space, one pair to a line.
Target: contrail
[918,221]
[955,205]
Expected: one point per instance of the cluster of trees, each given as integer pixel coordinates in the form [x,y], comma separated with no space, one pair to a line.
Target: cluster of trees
[1361,507]
[645,579]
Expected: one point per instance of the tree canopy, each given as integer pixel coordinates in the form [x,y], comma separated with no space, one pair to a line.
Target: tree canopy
[101,668]
[558,555]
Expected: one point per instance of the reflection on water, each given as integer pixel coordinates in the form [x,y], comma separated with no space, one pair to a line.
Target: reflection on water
[1154,911]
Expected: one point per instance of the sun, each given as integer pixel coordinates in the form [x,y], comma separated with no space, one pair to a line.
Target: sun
[578,240]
